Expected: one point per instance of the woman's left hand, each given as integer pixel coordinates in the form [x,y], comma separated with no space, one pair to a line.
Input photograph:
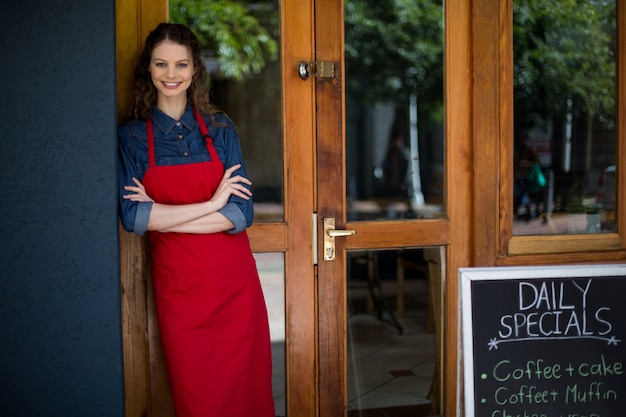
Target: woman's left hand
[231,186]
[139,192]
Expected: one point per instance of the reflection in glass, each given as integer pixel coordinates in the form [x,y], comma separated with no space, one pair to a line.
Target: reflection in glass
[394,321]
[565,95]
[394,109]
[271,267]
[242,45]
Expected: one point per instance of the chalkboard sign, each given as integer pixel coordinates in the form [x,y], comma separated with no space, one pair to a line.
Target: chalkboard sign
[544,341]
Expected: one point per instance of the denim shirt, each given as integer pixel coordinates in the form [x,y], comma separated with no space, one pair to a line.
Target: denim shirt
[177,142]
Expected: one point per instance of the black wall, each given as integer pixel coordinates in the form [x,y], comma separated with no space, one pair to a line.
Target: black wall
[60,324]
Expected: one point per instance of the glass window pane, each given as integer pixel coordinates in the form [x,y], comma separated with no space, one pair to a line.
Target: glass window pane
[565,95]
[271,267]
[394,321]
[244,65]
[394,109]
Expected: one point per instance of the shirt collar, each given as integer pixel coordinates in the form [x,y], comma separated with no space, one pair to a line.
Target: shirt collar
[166,124]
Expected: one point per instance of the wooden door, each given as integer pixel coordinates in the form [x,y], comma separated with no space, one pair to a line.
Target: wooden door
[449,231]
[313,118]
[147,392]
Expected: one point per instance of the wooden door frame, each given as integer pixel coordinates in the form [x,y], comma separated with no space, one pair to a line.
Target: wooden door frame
[492,130]
[134,20]
[293,236]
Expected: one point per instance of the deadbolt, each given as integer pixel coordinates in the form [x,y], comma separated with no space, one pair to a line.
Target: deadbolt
[320,69]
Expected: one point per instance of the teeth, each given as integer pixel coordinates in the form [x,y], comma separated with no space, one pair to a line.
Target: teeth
[171,84]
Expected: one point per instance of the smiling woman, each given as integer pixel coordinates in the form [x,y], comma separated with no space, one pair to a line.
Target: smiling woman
[183,181]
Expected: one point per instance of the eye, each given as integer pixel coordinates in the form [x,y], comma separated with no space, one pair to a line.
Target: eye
[160,64]
[182,65]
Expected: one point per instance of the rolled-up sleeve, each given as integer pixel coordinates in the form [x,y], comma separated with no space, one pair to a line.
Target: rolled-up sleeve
[142,215]
[236,217]
[134,215]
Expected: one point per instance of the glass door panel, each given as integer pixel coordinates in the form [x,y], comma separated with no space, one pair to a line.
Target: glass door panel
[271,267]
[242,54]
[394,318]
[394,109]
[565,98]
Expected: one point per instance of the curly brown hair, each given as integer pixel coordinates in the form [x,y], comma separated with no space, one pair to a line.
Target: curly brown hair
[143,95]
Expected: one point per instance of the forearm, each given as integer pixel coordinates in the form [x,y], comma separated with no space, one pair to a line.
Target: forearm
[165,217]
[211,223]
[192,218]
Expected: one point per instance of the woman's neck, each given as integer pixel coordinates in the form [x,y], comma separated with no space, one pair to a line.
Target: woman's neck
[174,107]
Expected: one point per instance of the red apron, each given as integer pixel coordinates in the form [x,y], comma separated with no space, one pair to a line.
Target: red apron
[209,303]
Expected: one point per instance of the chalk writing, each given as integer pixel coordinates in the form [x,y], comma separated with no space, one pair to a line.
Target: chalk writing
[529,393]
[554,310]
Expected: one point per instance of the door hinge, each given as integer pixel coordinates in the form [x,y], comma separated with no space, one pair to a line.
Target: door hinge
[314,224]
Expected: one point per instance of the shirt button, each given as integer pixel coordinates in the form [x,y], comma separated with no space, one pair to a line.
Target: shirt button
[186,154]
[180,136]
[177,123]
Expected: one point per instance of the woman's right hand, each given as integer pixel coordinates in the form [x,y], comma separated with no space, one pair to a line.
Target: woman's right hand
[231,186]
[138,192]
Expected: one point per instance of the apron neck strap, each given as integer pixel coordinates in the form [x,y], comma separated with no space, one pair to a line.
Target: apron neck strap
[208,141]
[150,136]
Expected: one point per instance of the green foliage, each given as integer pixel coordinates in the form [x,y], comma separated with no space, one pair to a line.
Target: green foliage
[231,32]
[582,204]
[394,48]
[564,51]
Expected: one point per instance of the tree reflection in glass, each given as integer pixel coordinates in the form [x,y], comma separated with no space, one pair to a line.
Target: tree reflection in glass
[564,101]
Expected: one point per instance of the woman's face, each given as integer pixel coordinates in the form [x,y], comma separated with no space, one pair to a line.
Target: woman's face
[172,69]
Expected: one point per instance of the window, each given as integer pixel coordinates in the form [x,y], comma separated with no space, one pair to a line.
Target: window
[565,127]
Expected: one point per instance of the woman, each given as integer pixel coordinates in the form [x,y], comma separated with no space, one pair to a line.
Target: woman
[182,180]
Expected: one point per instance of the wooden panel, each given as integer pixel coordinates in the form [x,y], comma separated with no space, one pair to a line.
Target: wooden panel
[331,203]
[506,131]
[486,128]
[583,245]
[459,170]
[268,237]
[134,325]
[127,47]
[299,143]
[397,234]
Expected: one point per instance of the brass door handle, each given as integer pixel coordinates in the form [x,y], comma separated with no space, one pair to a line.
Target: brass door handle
[338,233]
[330,233]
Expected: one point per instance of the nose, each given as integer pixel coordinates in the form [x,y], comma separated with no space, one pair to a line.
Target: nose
[171,71]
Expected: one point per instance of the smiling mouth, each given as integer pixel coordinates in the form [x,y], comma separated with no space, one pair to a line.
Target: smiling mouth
[170,85]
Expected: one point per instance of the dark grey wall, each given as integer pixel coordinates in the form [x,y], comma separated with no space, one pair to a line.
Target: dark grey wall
[60,332]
